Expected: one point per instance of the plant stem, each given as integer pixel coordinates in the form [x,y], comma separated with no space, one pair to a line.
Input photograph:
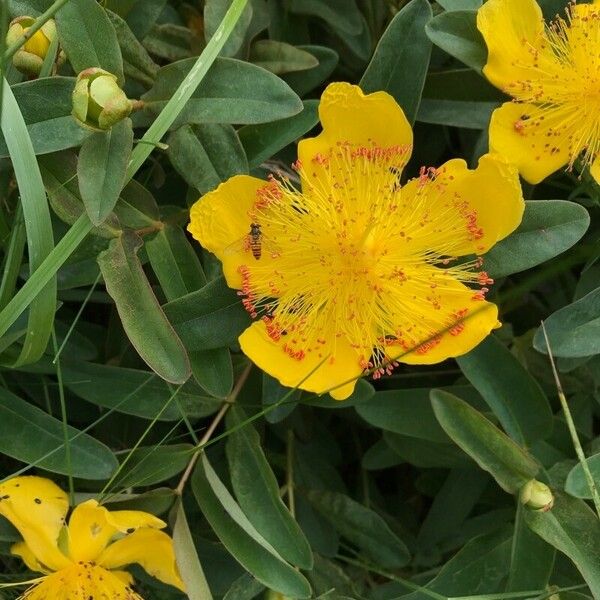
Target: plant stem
[290,472]
[211,428]
[37,25]
[572,429]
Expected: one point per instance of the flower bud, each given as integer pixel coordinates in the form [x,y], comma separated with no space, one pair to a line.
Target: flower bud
[98,101]
[30,57]
[537,496]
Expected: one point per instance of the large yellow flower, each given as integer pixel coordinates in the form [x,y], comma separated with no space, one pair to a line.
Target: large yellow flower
[81,559]
[552,71]
[355,272]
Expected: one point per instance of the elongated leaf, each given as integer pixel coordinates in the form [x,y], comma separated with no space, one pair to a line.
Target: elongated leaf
[244,588]
[361,526]
[205,155]
[572,527]
[213,370]
[40,238]
[101,167]
[573,330]
[549,227]
[343,16]
[261,142]
[88,37]
[577,484]
[211,317]
[232,92]
[305,81]
[150,465]
[456,32]
[30,435]
[279,57]
[403,43]
[510,391]
[214,11]
[143,319]
[187,559]
[531,559]
[257,492]
[493,450]
[134,392]
[239,536]
[46,107]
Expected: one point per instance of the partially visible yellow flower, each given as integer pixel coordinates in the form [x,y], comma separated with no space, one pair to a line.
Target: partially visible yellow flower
[30,57]
[355,272]
[552,71]
[83,559]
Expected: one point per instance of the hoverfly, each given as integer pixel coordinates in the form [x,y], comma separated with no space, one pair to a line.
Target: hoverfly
[254,239]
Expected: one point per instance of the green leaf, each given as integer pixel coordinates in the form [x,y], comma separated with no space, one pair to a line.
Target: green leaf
[272,393]
[187,559]
[403,43]
[494,451]
[456,32]
[38,226]
[134,392]
[549,227]
[150,465]
[240,537]
[141,15]
[511,392]
[531,558]
[257,492]
[205,155]
[460,4]
[577,484]
[213,370]
[574,330]
[244,588]
[137,63]
[361,526]
[572,528]
[59,172]
[261,142]
[279,57]
[343,16]
[174,262]
[88,37]
[232,92]
[30,435]
[101,167]
[425,454]
[408,412]
[46,107]
[305,81]
[211,317]
[143,319]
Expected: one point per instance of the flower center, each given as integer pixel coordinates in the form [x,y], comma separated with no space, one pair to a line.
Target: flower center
[354,254]
[563,82]
[81,580]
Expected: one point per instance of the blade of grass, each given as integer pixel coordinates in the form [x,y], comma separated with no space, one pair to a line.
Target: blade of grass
[40,238]
[13,258]
[83,225]
[572,429]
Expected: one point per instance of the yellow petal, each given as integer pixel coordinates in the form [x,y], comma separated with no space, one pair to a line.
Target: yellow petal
[37,508]
[22,550]
[151,549]
[537,147]
[348,116]
[37,44]
[514,34]
[464,211]
[89,531]
[221,219]
[336,369]
[126,521]
[462,321]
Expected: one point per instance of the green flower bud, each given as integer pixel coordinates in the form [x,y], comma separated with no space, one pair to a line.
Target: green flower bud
[537,496]
[30,57]
[98,101]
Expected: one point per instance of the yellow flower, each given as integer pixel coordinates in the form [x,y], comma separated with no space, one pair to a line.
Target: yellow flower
[82,559]
[552,71]
[355,272]
[30,57]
